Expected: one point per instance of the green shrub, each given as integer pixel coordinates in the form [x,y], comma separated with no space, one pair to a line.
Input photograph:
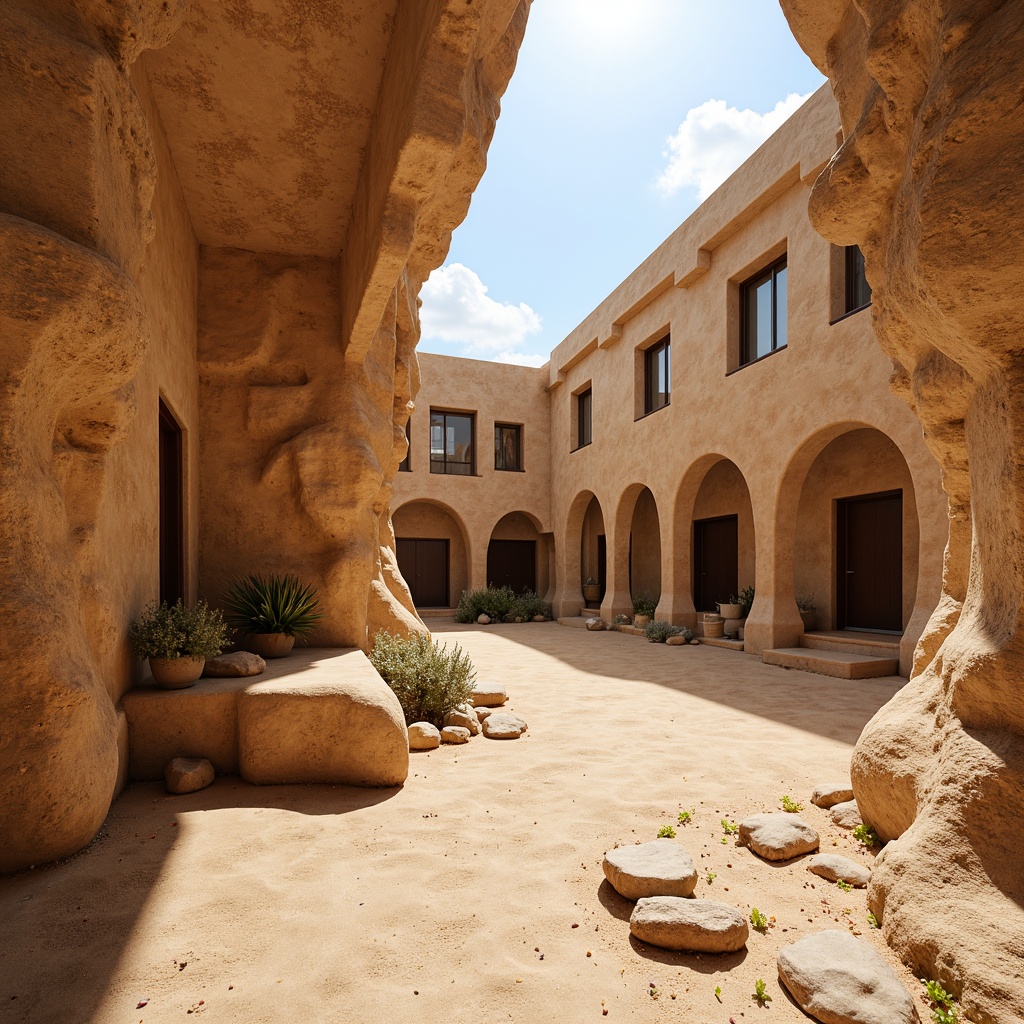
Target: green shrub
[658,632]
[175,632]
[500,604]
[272,604]
[428,679]
[644,604]
[746,599]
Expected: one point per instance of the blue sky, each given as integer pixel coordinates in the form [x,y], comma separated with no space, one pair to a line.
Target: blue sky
[621,117]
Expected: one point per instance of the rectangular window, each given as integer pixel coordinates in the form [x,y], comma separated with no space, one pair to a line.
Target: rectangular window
[763,313]
[452,447]
[584,410]
[405,465]
[858,291]
[508,447]
[657,375]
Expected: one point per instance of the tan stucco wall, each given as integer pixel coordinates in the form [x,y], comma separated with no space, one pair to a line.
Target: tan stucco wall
[645,544]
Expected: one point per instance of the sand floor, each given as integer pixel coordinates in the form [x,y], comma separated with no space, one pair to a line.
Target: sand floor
[475,892]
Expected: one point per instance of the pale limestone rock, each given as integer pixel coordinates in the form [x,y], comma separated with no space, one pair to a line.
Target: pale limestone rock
[657,868]
[778,836]
[596,624]
[677,641]
[483,619]
[465,718]
[695,926]
[840,979]
[229,666]
[846,814]
[188,774]
[455,734]
[483,713]
[488,696]
[832,793]
[836,868]
[503,725]
[424,736]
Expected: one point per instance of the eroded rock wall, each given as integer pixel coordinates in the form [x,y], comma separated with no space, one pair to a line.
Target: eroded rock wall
[926,182]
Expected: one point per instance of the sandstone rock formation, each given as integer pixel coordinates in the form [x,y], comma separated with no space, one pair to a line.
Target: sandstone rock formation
[925,183]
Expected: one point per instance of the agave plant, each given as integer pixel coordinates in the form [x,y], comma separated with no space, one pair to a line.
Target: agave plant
[272,604]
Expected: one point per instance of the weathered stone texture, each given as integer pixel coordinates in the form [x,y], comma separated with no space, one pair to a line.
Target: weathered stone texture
[925,184]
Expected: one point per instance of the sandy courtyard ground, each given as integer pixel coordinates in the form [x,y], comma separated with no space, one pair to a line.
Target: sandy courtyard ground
[475,892]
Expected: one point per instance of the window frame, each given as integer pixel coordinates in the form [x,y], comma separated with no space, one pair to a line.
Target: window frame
[444,462]
[651,355]
[769,272]
[518,428]
[853,264]
[584,399]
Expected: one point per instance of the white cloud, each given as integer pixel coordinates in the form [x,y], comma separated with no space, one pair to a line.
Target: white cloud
[520,359]
[457,309]
[714,140]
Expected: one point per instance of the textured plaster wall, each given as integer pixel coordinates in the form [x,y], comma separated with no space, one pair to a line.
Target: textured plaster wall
[645,541]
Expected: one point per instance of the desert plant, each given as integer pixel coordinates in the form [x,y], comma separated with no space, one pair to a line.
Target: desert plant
[429,680]
[527,604]
[685,816]
[867,835]
[943,1004]
[758,920]
[805,603]
[730,828]
[666,832]
[644,604]
[873,921]
[761,992]
[844,885]
[789,804]
[746,599]
[272,604]
[500,604]
[175,631]
[658,632]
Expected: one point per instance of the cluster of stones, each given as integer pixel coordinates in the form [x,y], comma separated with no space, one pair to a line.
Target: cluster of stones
[596,624]
[485,620]
[476,716]
[832,975]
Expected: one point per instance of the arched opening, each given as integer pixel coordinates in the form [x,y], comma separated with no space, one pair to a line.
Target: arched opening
[722,543]
[593,554]
[645,548]
[856,550]
[433,555]
[519,555]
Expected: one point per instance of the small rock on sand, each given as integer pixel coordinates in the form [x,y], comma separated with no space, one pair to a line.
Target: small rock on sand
[503,725]
[697,926]
[455,734]
[846,814]
[424,736]
[595,625]
[188,774]
[657,868]
[234,666]
[488,696]
[778,836]
[465,718]
[832,793]
[835,868]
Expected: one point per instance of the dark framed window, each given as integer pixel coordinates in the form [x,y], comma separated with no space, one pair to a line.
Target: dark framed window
[763,313]
[405,465]
[584,417]
[858,291]
[452,443]
[657,375]
[508,447]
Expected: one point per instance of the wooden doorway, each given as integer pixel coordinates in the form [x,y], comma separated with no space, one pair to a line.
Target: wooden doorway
[715,561]
[172,509]
[424,566]
[869,562]
[512,563]
[602,564]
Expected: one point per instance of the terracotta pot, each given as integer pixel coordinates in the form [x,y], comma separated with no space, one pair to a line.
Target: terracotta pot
[808,619]
[176,673]
[731,611]
[641,620]
[270,645]
[591,592]
[714,625]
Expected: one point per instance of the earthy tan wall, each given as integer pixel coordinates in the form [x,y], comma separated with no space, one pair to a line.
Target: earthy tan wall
[723,492]
[645,542]
[860,462]
[422,519]
[769,418]
[591,528]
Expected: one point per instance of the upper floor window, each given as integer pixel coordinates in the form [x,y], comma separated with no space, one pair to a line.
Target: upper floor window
[405,466]
[763,313]
[584,411]
[452,443]
[508,447]
[858,291]
[657,375]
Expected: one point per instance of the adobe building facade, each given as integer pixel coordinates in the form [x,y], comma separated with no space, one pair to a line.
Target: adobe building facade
[655,453]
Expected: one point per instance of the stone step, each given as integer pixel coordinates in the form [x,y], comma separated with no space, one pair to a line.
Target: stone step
[840,664]
[874,645]
[436,613]
[721,641]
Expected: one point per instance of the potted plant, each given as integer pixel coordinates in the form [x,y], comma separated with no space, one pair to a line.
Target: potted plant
[591,591]
[731,609]
[644,607]
[805,605]
[746,601]
[272,611]
[177,641]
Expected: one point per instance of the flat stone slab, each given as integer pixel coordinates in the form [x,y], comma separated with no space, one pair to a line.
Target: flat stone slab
[503,725]
[657,868]
[455,734]
[695,926]
[833,793]
[778,836]
[835,868]
[465,718]
[482,713]
[424,736]
[846,814]
[188,774]
[840,979]
[239,665]
[488,697]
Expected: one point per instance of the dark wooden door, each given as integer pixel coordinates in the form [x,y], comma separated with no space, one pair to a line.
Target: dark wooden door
[602,563]
[715,561]
[172,519]
[869,562]
[512,563]
[424,566]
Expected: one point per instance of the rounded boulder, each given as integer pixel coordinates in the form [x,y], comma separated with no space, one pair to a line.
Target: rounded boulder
[657,868]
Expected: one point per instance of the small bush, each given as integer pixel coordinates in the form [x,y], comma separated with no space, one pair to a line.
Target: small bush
[175,632]
[428,679]
[666,832]
[622,620]
[500,604]
[659,632]
[644,604]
